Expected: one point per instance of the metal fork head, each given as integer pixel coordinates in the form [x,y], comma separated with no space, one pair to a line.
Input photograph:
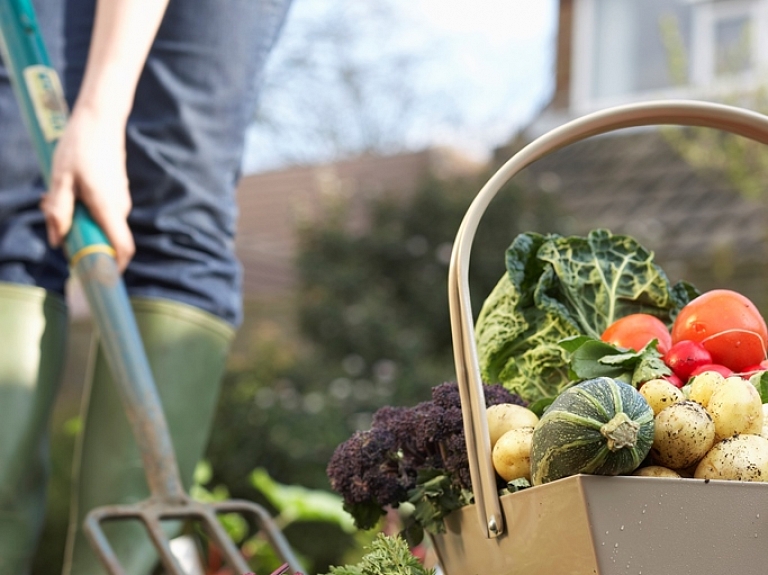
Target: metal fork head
[153,511]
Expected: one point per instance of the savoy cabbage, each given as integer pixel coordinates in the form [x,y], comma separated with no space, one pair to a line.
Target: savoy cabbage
[559,287]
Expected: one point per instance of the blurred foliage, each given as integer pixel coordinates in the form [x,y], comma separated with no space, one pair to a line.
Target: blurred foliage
[297,503]
[742,161]
[367,326]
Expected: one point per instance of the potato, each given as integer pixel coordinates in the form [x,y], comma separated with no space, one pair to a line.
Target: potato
[683,434]
[764,432]
[506,416]
[740,458]
[735,407]
[702,386]
[512,454]
[659,393]
[655,471]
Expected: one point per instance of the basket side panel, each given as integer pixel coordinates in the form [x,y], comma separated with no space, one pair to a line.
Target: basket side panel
[681,526]
[548,532]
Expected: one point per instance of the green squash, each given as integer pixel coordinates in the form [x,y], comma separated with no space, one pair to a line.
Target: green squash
[601,426]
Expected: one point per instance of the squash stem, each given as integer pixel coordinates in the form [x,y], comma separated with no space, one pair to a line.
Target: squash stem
[620,432]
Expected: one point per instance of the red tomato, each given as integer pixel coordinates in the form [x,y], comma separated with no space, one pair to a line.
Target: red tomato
[634,331]
[721,369]
[727,324]
[685,356]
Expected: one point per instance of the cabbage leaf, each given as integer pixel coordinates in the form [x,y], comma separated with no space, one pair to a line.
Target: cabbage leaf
[559,287]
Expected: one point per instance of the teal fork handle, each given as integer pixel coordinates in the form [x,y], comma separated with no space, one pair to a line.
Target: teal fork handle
[38,91]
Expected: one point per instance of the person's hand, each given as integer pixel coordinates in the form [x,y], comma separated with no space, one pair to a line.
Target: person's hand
[89,165]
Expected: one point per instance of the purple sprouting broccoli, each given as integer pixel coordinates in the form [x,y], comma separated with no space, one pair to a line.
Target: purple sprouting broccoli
[410,454]
[366,471]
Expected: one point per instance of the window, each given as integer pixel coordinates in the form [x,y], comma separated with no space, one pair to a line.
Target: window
[630,49]
[726,40]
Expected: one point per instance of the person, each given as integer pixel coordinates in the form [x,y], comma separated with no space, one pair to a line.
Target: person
[160,93]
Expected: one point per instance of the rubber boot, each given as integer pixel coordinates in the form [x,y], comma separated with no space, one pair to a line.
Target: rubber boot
[33,329]
[187,350]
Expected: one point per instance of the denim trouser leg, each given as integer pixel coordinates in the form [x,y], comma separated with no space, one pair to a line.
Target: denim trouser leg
[185,142]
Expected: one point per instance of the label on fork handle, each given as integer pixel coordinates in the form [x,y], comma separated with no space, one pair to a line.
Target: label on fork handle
[48,100]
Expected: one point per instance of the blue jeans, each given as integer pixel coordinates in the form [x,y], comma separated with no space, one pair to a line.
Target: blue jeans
[185,140]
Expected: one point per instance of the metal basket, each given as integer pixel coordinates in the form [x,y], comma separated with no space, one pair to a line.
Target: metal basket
[590,524]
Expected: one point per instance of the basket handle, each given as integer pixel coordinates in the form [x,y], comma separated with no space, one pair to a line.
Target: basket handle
[675,112]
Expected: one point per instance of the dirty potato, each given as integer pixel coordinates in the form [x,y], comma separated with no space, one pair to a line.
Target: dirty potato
[735,407]
[659,393]
[683,434]
[738,458]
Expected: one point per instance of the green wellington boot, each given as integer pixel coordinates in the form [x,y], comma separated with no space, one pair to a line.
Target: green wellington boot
[187,350]
[33,324]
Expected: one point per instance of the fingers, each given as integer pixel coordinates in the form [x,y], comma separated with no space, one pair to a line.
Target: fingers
[112,216]
[110,212]
[58,207]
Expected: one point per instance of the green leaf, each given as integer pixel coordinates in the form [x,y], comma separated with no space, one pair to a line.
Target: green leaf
[760,381]
[682,292]
[599,359]
[203,472]
[571,344]
[296,503]
[651,366]
[600,278]
[596,358]
[412,532]
[366,515]
[433,498]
